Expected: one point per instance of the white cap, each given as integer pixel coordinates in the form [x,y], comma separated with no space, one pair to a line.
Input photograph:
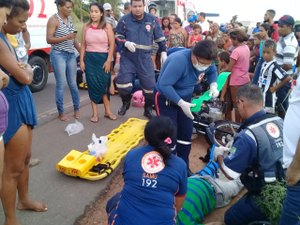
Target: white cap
[107,6]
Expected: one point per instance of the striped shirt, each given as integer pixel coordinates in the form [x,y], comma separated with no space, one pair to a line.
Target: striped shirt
[63,30]
[270,73]
[287,51]
[199,201]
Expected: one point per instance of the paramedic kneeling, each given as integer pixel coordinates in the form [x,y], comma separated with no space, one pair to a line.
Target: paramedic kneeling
[255,156]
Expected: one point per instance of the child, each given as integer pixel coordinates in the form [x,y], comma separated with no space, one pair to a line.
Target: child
[21,43]
[196,36]
[271,77]
[256,56]
[251,45]
[225,97]
[255,53]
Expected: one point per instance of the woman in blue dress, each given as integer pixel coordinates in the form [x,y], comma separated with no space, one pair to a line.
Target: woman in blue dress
[22,119]
[5,8]
[155,180]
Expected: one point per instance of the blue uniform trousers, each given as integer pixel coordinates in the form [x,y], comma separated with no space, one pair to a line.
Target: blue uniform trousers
[244,211]
[135,65]
[184,125]
[291,206]
[111,207]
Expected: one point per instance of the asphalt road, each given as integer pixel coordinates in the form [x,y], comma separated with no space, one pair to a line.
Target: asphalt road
[45,99]
[66,197]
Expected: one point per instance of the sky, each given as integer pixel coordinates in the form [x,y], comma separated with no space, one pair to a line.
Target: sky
[252,10]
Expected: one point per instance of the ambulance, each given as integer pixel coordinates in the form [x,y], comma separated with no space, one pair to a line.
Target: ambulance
[39,13]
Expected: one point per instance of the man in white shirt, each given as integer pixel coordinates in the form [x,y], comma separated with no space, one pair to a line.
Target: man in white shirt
[291,156]
[203,23]
[108,15]
[286,57]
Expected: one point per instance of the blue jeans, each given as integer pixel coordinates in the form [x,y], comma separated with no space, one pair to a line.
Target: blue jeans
[257,71]
[64,66]
[244,211]
[291,206]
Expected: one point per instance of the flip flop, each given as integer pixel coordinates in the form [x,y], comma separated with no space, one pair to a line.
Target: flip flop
[76,115]
[63,118]
[94,119]
[110,116]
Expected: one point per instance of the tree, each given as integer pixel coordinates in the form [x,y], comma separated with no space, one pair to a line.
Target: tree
[81,11]
[234,19]
[115,4]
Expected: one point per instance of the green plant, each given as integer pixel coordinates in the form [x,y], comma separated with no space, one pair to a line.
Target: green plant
[271,199]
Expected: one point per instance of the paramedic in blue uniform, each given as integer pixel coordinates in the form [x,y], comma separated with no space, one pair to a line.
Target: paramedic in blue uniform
[135,34]
[182,71]
[155,181]
[255,156]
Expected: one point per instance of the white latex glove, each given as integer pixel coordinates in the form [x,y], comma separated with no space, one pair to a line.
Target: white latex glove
[221,150]
[213,90]
[130,46]
[186,108]
[163,57]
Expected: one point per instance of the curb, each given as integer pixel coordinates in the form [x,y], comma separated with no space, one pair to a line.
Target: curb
[51,114]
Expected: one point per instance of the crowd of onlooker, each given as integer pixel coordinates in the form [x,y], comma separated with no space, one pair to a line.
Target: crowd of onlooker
[231,39]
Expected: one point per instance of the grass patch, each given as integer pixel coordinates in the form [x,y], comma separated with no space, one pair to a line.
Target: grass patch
[271,200]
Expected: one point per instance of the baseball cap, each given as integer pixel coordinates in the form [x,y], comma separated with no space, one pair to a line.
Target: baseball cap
[286,20]
[192,19]
[152,5]
[107,6]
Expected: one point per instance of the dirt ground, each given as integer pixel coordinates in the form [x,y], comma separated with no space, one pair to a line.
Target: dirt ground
[95,213]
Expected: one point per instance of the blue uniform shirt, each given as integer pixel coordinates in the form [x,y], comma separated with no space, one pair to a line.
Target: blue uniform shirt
[141,32]
[178,76]
[148,198]
[243,151]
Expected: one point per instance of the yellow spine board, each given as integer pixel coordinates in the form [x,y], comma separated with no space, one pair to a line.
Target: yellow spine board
[120,141]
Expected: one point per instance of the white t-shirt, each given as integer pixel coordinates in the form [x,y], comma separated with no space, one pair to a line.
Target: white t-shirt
[291,126]
[204,26]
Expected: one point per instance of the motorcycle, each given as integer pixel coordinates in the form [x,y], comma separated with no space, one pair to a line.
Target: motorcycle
[209,121]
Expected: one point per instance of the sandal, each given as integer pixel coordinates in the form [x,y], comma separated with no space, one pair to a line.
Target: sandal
[63,118]
[110,116]
[76,114]
[94,119]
